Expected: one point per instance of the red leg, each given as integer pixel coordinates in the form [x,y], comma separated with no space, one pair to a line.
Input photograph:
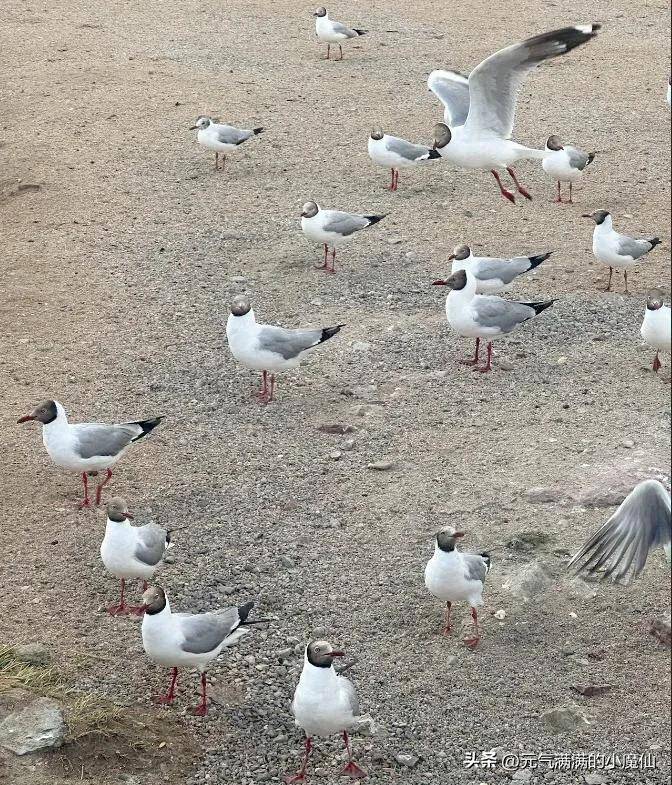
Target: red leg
[521,189]
[396,179]
[216,161]
[202,709]
[99,489]
[472,642]
[625,276]
[446,626]
[121,608]
[324,265]
[559,197]
[391,186]
[657,365]
[351,769]
[270,397]
[300,776]
[340,49]
[262,395]
[571,201]
[86,502]
[474,361]
[506,194]
[611,272]
[169,697]
[328,52]
[488,365]
[332,269]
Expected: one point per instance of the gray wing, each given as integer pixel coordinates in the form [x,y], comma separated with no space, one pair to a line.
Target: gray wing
[287,343]
[343,30]
[452,89]
[477,569]
[628,246]
[577,158]
[494,84]
[506,270]
[206,631]
[350,691]
[152,544]
[496,312]
[227,134]
[99,439]
[413,152]
[620,548]
[344,223]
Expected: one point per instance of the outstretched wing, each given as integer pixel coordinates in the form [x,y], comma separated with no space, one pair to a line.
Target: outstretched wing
[620,548]
[452,89]
[494,84]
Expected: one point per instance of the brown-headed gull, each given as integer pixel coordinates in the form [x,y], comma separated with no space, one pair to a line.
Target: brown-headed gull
[186,640]
[324,704]
[617,250]
[655,328]
[565,164]
[453,577]
[493,275]
[479,316]
[333,228]
[332,32]
[86,447]
[266,348]
[620,548]
[483,139]
[395,153]
[221,138]
[131,552]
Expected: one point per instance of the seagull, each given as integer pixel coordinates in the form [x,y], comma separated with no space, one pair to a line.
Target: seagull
[565,164]
[655,328]
[397,154]
[619,549]
[479,316]
[617,250]
[131,552]
[493,275]
[454,577]
[266,348]
[220,137]
[324,704]
[186,640]
[482,140]
[333,227]
[86,447]
[333,32]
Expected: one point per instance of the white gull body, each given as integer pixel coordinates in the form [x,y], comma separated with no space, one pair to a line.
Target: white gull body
[133,551]
[495,275]
[655,328]
[448,576]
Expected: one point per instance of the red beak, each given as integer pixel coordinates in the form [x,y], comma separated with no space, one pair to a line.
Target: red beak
[128,515]
[451,257]
[337,654]
[27,418]
[439,283]
[459,534]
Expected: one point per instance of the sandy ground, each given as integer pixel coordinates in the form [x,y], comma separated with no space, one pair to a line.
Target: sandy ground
[122,249]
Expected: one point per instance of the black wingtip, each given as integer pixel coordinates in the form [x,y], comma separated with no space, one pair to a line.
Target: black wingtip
[539,307]
[655,241]
[373,219]
[535,261]
[257,131]
[244,611]
[434,154]
[329,332]
[591,158]
[147,426]
[360,32]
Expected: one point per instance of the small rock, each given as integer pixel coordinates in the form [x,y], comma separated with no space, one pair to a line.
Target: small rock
[380,466]
[361,346]
[628,444]
[348,444]
[336,455]
[407,759]
[33,654]
[29,723]
[286,562]
[500,614]
[319,632]
[528,582]
[284,654]
[365,726]
[661,629]
[317,302]
[393,240]
[336,428]
[565,718]
[594,779]
[591,690]
[505,365]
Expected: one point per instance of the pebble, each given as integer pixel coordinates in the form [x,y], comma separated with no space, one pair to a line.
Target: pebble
[360,346]
[500,614]
[406,759]
[380,466]
[628,444]
[336,455]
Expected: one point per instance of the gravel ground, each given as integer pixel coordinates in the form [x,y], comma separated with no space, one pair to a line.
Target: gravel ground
[122,250]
